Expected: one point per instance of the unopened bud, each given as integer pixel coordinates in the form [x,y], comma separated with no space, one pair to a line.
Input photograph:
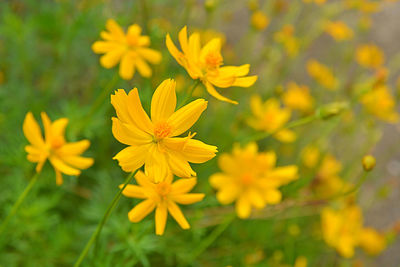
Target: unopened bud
[368,163]
[331,110]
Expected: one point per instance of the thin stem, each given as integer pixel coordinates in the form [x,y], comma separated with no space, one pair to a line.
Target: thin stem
[145,14]
[211,237]
[18,203]
[290,125]
[103,220]
[189,93]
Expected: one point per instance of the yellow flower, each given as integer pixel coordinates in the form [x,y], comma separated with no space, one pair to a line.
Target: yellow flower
[259,20]
[270,117]
[339,30]
[364,6]
[65,157]
[298,97]
[381,103]
[163,198]
[289,41]
[322,74]
[341,228]
[130,50]
[301,261]
[318,2]
[310,156]
[153,143]
[328,182]
[372,242]
[205,64]
[250,178]
[370,56]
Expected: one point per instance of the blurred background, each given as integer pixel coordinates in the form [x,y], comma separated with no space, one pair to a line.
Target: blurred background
[46,64]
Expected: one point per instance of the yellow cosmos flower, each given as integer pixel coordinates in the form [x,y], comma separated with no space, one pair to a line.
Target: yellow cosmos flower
[163,197]
[250,178]
[343,230]
[328,182]
[298,97]
[270,117]
[130,50]
[381,104]
[339,30]
[289,41]
[259,20]
[370,56]
[322,74]
[204,63]
[65,157]
[153,143]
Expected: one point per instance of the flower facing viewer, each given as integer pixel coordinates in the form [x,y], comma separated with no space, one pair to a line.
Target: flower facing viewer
[65,157]
[204,63]
[154,142]
[163,197]
[250,178]
[130,50]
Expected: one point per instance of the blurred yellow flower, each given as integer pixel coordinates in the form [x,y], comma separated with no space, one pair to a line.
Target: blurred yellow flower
[153,143]
[370,56]
[318,2]
[310,156]
[250,178]
[328,182]
[343,230]
[259,20]
[270,117]
[65,157]
[365,6]
[381,104]
[130,50]
[372,242]
[205,64]
[163,197]
[289,41]
[298,97]
[301,261]
[339,30]
[322,74]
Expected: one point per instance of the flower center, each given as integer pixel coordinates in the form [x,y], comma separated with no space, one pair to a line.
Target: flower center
[247,179]
[163,189]
[132,40]
[57,142]
[213,60]
[162,130]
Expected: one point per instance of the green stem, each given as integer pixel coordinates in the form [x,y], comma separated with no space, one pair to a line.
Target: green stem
[103,221]
[211,238]
[145,13]
[18,203]
[189,93]
[290,125]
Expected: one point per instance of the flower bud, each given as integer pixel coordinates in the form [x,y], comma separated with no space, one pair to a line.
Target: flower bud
[331,110]
[368,163]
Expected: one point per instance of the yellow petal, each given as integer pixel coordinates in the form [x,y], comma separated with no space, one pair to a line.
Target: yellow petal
[59,178]
[128,134]
[78,162]
[141,210]
[58,127]
[229,193]
[110,59]
[150,55]
[177,214]
[32,131]
[185,117]
[142,67]
[219,180]
[192,150]
[187,199]
[115,30]
[133,191]
[214,45]
[245,81]
[127,67]
[62,167]
[256,198]
[102,47]
[179,165]
[273,196]
[143,180]
[182,186]
[243,207]
[211,90]
[129,109]
[163,102]
[74,148]
[161,218]
[132,157]
[156,165]
[183,40]
[235,70]
[286,136]
[134,30]
[174,51]
[193,47]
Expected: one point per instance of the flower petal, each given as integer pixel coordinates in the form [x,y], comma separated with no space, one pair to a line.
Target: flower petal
[127,67]
[142,67]
[211,90]
[182,186]
[243,207]
[102,47]
[110,59]
[141,210]
[78,162]
[245,81]
[132,157]
[161,218]
[150,55]
[187,199]
[32,130]
[128,134]
[133,191]
[63,167]
[177,214]
[74,148]
[163,102]
[179,165]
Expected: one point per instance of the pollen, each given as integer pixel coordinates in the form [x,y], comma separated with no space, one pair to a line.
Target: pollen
[214,59]
[162,130]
